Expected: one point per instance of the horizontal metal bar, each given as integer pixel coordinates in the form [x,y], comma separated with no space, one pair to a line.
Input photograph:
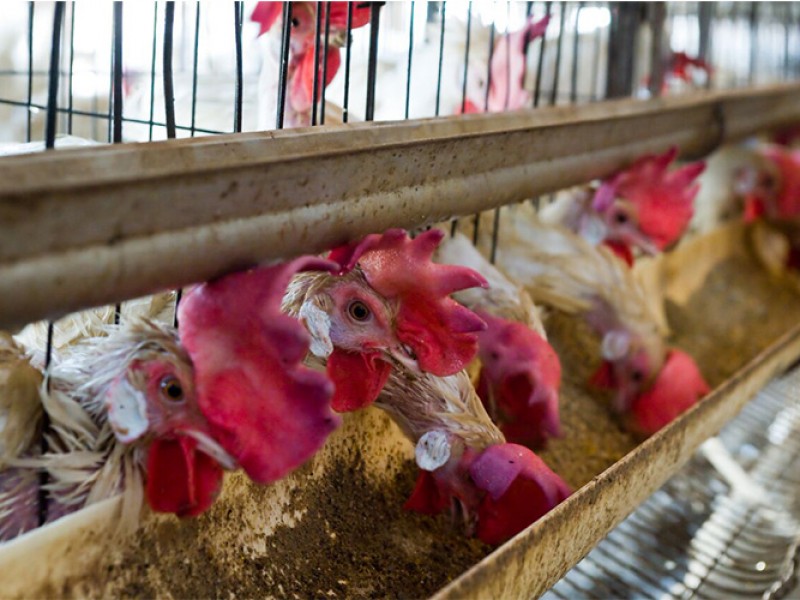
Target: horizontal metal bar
[89,226]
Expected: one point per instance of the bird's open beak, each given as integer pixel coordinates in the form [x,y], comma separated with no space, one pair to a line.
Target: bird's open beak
[207,445]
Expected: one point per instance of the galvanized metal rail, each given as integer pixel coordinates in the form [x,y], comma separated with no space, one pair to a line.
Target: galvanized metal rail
[90,226]
[712,532]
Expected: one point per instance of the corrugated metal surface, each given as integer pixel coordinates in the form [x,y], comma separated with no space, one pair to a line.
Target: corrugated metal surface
[726,526]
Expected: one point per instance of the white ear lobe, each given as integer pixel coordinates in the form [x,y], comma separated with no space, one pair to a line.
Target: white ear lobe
[593,229]
[318,324]
[127,411]
[615,345]
[432,451]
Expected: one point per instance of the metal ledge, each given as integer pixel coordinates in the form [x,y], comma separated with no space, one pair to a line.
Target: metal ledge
[90,226]
[538,557]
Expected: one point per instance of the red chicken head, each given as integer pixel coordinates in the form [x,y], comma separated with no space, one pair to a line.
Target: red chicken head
[677,388]
[520,377]
[629,367]
[154,401]
[500,490]
[770,184]
[407,314]
[645,205]
[520,488]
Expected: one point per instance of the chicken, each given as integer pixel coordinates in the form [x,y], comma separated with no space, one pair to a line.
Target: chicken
[20,415]
[498,488]
[506,87]
[562,270]
[300,75]
[388,304]
[124,417]
[388,314]
[769,183]
[769,189]
[718,199]
[520,372]
[92,322]
[20,408]
[267,410]
[643,206]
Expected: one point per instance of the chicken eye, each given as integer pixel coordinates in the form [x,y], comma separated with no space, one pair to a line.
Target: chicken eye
[295,22]
[620,218]
[637,376]
[359,311]
[171,389]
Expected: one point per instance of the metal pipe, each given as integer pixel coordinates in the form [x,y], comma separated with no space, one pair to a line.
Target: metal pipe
[315,77]
[325,48]
[372,60]
[658,16]
[208,204]
[169,93]
[283,74]
[238,15]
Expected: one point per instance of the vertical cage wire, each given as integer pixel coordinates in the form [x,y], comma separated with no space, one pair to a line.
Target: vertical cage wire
[372,62]
[442,15]
[238,16]
[116,95]
[50,142]
[325,47]
[315,87]
[195,54]
[284,63]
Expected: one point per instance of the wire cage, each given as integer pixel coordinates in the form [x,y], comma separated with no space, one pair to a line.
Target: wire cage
[76,74]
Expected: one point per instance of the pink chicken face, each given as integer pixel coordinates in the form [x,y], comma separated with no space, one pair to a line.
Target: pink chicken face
[361,332]
[155,400]
[627,376]
[362,321]
[520,378]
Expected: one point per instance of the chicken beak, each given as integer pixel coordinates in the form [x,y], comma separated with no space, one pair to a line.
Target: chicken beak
[644,243]
[624,399]
[406,356]
[207,445]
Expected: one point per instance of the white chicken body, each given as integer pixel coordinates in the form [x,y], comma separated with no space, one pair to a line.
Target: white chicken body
[503,298]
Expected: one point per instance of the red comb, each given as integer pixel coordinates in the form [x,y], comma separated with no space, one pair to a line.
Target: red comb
[361,14]
[664,200]
[677,388]
[180,479]
[507,91]
[681,63]
[264,407]
[267,13]
[520,489]
[522,373]
[441,331]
